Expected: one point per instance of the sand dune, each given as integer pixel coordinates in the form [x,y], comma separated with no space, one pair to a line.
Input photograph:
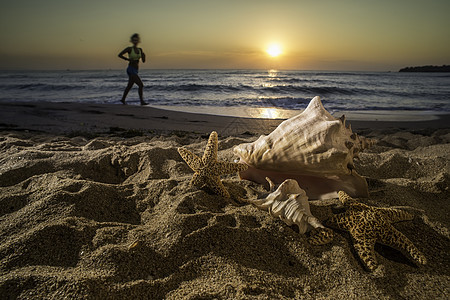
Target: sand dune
[109,217]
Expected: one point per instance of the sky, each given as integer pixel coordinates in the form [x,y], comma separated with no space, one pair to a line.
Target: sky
[382,35]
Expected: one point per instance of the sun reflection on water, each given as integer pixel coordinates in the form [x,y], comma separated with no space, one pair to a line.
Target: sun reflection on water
[269,113]
[273,73]
[272,77]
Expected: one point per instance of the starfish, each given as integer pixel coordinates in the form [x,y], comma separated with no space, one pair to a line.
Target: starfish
[208,169]
[368,225]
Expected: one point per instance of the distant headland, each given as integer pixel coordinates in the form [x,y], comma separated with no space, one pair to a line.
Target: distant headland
[443,68]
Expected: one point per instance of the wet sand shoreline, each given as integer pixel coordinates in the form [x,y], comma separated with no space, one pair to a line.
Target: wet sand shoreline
[53,117]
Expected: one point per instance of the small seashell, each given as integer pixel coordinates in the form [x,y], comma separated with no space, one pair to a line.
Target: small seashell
[289,203]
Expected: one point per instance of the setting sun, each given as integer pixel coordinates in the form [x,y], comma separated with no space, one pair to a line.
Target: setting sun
[274,50]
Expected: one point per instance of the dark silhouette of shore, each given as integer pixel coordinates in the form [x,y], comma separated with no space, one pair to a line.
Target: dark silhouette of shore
[443,68]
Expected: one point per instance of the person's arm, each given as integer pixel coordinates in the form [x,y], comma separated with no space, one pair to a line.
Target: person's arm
[143,56]
[126,50]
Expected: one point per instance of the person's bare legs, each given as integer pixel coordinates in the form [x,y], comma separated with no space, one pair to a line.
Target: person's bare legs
[132,80]
[138,81]
[127,89]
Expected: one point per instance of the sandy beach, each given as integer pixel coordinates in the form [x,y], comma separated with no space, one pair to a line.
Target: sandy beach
[95,203]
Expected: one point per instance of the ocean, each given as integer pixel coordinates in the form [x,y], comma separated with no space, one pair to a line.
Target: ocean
[230,91]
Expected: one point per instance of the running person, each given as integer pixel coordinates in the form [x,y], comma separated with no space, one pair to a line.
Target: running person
[134,55]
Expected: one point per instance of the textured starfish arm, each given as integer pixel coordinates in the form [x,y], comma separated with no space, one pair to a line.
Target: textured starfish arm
[321,236]
[399,241]
[339,221]
[366,252]
[222,168]
[397,215]
[193,161]
[210,153]
[350,202]
[216,185]
[197,180]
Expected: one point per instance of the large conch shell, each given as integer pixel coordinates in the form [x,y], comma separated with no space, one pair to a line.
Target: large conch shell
[314,148]
[290,203]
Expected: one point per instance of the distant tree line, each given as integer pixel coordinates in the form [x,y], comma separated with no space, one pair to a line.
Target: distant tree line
[443,68]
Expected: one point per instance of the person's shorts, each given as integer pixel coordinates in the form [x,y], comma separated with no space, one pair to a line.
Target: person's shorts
[132,71]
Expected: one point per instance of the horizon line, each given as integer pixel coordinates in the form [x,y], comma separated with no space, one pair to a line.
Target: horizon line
[199,69]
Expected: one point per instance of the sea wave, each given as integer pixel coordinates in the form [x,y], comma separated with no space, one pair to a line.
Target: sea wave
[284,91]
[255,88]
[43,87]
